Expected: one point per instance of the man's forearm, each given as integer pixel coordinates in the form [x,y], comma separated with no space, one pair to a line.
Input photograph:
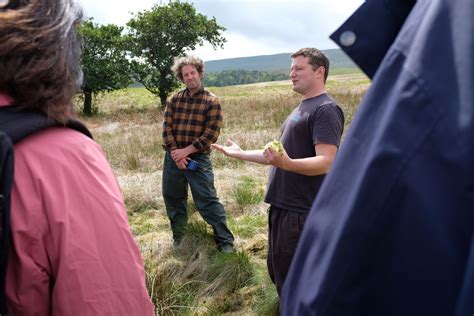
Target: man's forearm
[191,149]
[182,153]
[312,166]
[253,156]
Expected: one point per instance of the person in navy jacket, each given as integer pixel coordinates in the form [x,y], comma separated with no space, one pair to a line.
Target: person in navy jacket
[391,231]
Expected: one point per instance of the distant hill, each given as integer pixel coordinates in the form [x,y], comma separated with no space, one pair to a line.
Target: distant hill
[274,63]
[244,70]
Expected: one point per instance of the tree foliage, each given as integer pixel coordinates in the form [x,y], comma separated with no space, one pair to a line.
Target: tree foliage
[104,60]
[159,35]
[240,76]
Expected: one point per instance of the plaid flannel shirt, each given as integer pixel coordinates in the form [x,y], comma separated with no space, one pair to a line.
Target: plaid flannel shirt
[192,120]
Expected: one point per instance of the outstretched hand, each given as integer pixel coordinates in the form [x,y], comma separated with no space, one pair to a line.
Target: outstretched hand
[231,149]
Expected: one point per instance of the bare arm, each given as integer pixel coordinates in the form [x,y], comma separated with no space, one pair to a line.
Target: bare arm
[234,151]
[311,166]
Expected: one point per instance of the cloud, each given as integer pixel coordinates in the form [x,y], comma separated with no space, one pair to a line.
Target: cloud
[116,12]
[253,27]
[269,27]
[238,45]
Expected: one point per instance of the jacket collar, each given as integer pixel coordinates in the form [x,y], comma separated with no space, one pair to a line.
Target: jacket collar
[365,44]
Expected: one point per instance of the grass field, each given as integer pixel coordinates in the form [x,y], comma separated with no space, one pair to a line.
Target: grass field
[195,279]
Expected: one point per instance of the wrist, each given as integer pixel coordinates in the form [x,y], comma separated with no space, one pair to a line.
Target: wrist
[191,149]
[287,164]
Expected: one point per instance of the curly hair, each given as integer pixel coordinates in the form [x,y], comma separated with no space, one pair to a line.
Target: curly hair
[316,59]
[180,62]
[40,55]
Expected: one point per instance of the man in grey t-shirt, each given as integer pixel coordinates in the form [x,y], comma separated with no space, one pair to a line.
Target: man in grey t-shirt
[310,136]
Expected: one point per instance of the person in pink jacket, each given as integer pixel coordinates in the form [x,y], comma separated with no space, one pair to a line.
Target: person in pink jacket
[72,250]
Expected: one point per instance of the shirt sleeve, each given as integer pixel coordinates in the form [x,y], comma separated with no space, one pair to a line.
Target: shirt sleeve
[169,143]
[73,251]
[213,127]
[328,125]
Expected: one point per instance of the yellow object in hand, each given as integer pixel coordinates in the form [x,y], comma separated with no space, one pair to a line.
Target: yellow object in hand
[275,146]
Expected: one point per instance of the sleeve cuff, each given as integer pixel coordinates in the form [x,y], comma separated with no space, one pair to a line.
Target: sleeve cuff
[198,145]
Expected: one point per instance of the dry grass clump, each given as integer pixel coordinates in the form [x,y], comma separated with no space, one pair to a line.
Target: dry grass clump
[137,147]
[142,191]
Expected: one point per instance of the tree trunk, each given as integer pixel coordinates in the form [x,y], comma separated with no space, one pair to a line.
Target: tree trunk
[87,103]
[163,97]
[162,89]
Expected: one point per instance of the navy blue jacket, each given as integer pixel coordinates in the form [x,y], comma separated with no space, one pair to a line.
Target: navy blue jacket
[392,229]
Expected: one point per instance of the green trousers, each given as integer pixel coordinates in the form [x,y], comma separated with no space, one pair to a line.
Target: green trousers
[201,182]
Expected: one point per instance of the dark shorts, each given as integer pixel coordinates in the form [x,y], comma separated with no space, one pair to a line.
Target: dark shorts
[284,230]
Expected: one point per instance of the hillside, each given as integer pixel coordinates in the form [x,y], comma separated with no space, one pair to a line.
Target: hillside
[265,68]
[277,62]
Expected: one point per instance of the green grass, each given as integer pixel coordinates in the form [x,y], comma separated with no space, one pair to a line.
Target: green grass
[266,295]
[248,191]
[248,225]
[344,71]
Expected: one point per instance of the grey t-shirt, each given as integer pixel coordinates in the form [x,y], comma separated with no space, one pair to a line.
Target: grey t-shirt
[314,121]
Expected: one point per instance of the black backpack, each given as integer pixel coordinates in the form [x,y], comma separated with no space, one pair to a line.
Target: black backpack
[15,126]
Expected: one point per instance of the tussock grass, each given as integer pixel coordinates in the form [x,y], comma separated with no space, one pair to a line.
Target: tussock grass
[200,231]
[248,225]
[168,296]
[266,296]
[248,191]
[194,278]
[233,271]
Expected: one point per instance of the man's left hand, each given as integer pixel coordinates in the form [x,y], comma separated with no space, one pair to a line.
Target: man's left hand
[278,159]
[179,154]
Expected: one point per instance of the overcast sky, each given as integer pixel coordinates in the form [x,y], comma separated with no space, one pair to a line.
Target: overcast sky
[253,27]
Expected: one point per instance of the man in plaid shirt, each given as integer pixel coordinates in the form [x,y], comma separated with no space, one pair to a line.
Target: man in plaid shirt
[192,122]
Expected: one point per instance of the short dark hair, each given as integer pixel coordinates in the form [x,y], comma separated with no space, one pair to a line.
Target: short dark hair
[180,62]
[40,55]
[316,59]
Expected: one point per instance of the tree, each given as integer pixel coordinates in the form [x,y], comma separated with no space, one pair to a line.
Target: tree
[104,61]
[159,35]
[240,76]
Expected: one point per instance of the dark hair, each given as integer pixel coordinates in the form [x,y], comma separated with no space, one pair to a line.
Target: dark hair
[40,55]
[180,62]
[316,59]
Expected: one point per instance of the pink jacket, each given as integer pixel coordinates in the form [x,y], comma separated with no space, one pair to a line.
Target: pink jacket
[73,251]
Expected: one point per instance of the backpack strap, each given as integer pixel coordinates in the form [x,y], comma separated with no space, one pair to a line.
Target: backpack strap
[6,172]
[20,124]
[15,126]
